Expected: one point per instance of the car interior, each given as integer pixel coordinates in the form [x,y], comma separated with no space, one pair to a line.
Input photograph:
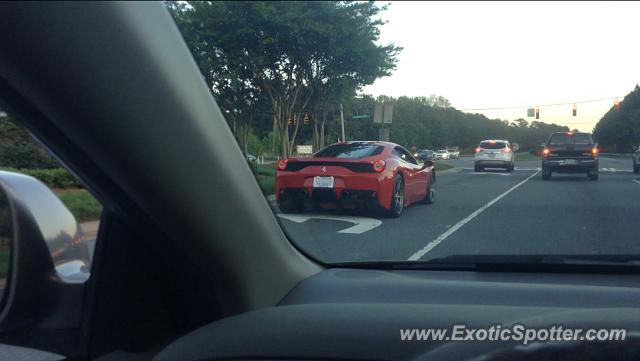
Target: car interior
[112,91]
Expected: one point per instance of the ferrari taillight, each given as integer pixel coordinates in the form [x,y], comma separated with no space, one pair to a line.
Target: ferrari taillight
[282,164]
[378,165]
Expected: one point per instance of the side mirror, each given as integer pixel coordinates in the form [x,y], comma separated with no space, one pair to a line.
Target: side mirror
[48,263]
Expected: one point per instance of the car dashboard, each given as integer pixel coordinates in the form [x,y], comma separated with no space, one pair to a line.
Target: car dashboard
[357,314]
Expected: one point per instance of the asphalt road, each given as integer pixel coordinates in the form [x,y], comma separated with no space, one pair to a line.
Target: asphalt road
[487,213]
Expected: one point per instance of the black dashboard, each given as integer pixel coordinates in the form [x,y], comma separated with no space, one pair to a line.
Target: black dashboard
[351,314]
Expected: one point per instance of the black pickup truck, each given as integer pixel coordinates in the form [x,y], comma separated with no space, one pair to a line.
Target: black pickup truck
[570,152]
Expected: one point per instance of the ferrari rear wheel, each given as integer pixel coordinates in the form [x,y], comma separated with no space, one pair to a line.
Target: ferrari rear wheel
[291,206]
[397,197]
[430,197]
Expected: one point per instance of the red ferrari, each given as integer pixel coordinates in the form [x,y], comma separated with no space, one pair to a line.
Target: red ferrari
[355,175]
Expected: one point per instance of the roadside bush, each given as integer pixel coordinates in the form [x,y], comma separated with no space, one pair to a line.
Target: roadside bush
[53,178]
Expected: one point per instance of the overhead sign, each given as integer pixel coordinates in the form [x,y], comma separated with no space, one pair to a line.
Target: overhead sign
[377,114]
[531,112]
[388,113]
[383,113]
[304,149]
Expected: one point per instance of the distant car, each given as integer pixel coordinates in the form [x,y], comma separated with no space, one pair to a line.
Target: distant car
[636,160]
[454,153]
[425,154]
[494,153]
[569,152]
[443,154]
[355,175]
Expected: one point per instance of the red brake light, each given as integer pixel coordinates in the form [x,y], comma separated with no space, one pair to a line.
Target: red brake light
[492,141]
[282,164]
[378,165]
[478,150]
[594,151]
[505,150]
[545,152]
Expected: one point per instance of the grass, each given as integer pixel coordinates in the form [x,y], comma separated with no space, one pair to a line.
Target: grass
[523,157]
[442,166]
[266,176]
[80,203]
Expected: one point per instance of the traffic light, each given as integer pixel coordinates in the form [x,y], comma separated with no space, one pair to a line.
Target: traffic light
[537,113]
[307,119]
[575,110]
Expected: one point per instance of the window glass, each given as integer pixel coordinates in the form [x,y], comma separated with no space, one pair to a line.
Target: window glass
[20,153]
[493,145]
[328,80]
[350,151]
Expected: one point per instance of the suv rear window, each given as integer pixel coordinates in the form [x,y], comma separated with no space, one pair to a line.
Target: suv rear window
[494,145]
[566,138]
[350,150]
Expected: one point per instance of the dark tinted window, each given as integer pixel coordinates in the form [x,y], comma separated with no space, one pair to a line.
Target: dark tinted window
[350,150]
[404,154]
[574,138]
[494,145]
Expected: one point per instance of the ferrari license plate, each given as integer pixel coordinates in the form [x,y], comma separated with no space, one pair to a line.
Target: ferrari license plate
[322,182]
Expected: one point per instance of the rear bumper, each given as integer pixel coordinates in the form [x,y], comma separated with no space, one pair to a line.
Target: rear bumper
[361,191]
[570,165]
[498,163]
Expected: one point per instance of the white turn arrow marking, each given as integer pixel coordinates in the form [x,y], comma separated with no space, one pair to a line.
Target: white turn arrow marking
[361,224]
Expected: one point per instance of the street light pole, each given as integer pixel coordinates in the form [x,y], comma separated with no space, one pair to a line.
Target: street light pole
[342,123]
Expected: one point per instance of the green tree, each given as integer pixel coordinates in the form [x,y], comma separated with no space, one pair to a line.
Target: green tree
[619,129]
[286,52]
[19,150]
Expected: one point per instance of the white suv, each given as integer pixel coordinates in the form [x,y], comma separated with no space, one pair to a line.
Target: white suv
[494,153]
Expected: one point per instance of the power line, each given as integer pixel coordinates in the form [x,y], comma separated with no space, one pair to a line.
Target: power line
[542,105]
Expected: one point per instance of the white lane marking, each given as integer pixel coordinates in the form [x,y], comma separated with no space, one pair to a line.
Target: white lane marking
[613,170]
[516,168]
[635,180]
[421,252]
[361,224]
[504,174]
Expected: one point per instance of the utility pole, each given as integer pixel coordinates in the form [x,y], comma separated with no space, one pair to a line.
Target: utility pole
[344,139]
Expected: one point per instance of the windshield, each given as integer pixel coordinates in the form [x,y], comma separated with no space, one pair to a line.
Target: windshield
[350,151]
[570,138]
[493,145]
[335,106]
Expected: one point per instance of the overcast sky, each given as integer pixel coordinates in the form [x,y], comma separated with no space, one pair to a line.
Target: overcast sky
[496,54]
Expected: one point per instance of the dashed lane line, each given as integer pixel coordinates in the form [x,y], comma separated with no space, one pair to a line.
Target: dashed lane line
[429,246]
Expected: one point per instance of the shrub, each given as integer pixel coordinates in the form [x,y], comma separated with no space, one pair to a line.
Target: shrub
[53,178]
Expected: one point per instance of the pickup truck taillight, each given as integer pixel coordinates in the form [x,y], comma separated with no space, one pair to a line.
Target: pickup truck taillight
[595,151]
[545,152]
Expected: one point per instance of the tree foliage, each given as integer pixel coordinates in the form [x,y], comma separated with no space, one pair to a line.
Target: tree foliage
[619,129]
[19,150]
[432,123]
[300,56]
